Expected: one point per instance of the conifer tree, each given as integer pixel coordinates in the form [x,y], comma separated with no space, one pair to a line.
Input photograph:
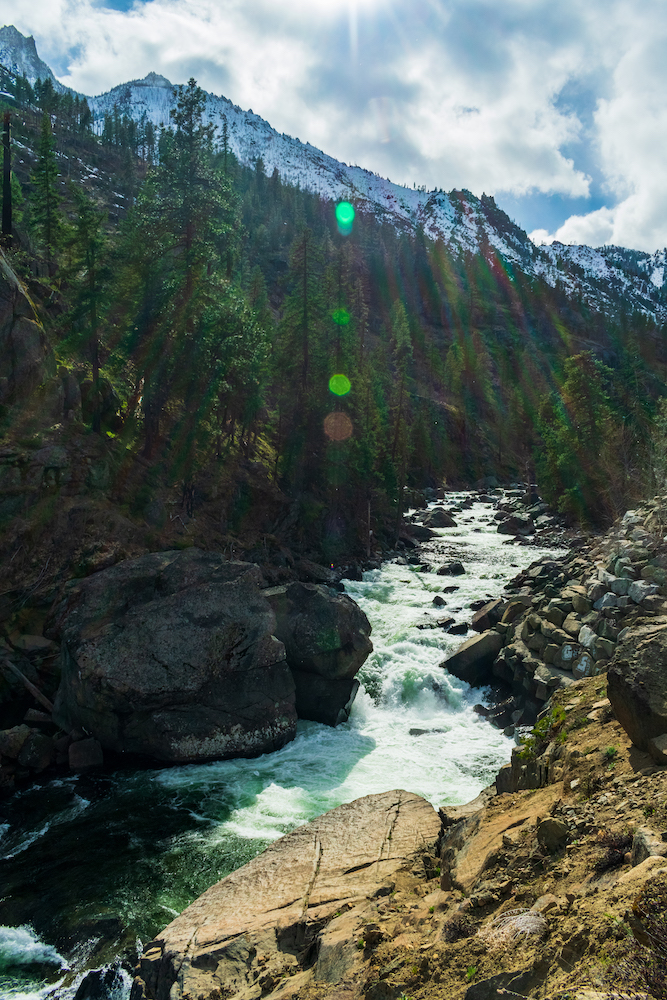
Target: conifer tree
[89,275]
[192,336]
[46,216]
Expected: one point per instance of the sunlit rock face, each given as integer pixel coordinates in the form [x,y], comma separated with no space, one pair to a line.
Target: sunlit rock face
[300,907]
[172,655]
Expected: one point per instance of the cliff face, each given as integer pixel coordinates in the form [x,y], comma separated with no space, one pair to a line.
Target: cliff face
[26,359]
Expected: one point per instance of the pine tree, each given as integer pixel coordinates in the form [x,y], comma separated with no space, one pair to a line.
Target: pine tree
[192,336]
[46,216]
[89,276]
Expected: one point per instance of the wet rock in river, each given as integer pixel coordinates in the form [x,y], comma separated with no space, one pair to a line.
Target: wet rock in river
[472,662]
[326,639]
[172,655]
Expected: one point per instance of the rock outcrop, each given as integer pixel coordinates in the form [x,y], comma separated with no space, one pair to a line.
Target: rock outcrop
[326,639]
[173,655]
[26,359]
[301,907]
[637,687]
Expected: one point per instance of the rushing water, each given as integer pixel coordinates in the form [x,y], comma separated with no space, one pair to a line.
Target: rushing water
[92,865]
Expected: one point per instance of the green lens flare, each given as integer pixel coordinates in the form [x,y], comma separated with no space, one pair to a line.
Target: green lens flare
[341,317]
[344,214]
[340,385]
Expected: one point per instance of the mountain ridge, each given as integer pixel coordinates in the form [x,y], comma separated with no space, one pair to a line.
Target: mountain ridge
[608,278]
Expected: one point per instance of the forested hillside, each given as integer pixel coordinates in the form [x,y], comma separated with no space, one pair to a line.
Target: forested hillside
[272,365]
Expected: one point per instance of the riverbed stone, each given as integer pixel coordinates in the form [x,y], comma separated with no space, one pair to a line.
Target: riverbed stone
[584,666]
[639,589]
[473,661]
[516,525]
[439,518]
[326,640]
[488,616]
[453,568]
[572,624]
[12,741]
[37,752]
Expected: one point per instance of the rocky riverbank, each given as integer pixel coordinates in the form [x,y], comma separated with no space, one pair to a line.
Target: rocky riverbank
[533,891]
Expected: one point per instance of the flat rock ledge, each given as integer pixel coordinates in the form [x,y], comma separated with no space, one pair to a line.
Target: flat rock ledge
[298,909]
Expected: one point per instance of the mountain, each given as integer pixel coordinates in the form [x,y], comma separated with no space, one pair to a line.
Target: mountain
[608,278]
[19,55]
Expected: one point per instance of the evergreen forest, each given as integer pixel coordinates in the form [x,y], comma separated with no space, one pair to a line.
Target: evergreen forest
[236,339]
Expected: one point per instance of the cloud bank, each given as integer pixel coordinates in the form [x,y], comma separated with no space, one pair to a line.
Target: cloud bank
[563,100]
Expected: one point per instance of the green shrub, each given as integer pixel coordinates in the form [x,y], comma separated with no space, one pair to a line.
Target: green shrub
[546,729]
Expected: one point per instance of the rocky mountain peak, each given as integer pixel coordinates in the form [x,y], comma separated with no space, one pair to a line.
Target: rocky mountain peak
[19,54]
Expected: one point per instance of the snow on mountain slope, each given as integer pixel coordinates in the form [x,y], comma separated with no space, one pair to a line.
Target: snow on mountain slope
[609,274]
[457,219]
[605,277]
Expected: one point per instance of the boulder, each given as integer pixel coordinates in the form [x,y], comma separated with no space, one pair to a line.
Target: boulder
[12,741]
[637,685]
[418,531]
[472,662]
[37,752]
[645,844]
[488,616]
[516,525]
[552,834]
[299,908]
[439,518]
[453,568]
[326,640]
[172,655]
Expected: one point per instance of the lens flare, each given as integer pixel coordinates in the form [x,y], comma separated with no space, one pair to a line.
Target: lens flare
[344,217]
[338,427]
[340,385]
[341,317]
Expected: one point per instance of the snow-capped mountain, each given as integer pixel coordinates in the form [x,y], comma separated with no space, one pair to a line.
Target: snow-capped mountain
[466,223]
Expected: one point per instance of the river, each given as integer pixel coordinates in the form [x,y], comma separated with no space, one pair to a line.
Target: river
[92,865]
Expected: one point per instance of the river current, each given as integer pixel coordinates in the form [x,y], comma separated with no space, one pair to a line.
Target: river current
[88,860]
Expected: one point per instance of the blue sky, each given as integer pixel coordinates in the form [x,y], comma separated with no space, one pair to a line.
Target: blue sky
[559,110]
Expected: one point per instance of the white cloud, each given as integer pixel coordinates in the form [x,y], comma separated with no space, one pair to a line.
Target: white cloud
[446,93]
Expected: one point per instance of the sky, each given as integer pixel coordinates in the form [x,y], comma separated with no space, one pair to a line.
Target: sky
[559,110]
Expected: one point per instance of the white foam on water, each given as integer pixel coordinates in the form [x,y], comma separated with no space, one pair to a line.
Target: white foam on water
[21,946]
[23,840]
[21,951]
[412,724]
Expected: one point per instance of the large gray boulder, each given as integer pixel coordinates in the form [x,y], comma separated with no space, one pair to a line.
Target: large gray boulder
[637,686]
[472,662]
[326,639]
[173,655]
